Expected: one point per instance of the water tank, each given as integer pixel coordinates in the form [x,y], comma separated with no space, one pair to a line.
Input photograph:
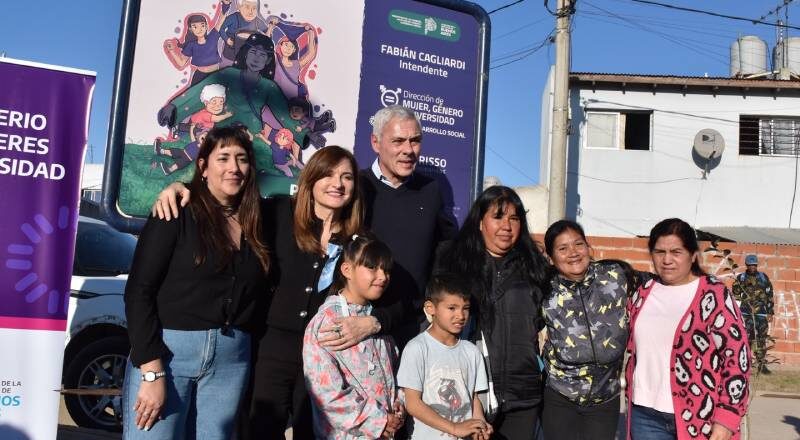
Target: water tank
[793,43]
[748,56]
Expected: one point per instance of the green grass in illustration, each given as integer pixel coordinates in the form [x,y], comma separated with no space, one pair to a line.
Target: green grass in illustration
[142,178]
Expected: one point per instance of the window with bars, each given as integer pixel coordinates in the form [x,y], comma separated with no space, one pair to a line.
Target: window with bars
[769,135]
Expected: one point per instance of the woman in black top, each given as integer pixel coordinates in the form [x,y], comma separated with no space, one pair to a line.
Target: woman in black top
[494,253]
[190,296]
[304,234]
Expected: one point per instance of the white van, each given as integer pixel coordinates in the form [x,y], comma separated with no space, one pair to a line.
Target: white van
[97,347]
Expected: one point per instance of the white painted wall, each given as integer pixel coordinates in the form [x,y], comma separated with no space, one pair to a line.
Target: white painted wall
[92,176]
[624,193]
[534,199]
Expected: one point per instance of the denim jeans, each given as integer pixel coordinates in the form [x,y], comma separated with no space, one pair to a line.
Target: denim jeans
[206,376]
[649,424]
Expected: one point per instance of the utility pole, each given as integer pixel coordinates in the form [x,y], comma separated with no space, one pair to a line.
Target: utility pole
[556,205]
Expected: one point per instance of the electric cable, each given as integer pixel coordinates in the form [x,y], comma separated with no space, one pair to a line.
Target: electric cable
[518,29]
[713,14]
[667,37]
[794,193]
[777,9]
[503,159]
[506,6]
[525,53]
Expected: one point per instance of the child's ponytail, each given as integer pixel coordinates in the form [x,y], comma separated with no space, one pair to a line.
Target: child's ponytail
[362,249]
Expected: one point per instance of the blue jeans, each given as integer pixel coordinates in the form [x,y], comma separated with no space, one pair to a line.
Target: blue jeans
[649,424]
[207,373]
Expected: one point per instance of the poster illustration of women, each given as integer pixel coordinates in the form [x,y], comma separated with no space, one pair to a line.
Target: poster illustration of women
[273,68]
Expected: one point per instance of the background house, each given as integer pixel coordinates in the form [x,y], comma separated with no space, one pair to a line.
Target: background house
[721,153]
[633,156]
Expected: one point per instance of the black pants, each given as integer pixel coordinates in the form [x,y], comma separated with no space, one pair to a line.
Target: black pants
[278,390]
[520,424]
[565,420]
[198,76]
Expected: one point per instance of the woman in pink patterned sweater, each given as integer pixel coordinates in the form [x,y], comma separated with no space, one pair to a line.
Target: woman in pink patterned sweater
[687,377]
[353,391]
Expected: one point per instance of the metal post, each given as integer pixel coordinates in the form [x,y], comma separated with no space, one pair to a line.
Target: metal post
[556,205]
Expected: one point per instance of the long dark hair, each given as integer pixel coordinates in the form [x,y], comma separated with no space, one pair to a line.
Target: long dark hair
[350,218]
[682,230]
[467,256]
[190,36]
[260,41]
[212,223]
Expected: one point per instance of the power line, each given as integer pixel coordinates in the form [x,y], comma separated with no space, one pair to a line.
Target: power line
[794,193]
[666,31]
[670,24]
[500,156]
[525,53]
[519,29]
[713,14]
[700,48]
[777,9]
[517,52]
[506,6]
[638,182]
[667,37]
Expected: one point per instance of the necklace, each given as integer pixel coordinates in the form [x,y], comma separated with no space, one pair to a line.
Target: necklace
[229,210]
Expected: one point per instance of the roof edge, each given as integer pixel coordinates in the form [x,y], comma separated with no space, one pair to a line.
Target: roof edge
[624,79]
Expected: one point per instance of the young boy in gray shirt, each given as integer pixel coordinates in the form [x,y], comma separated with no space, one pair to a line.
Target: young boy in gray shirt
[442,374]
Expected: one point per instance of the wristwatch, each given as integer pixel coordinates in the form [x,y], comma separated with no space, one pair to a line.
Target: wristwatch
[152,376]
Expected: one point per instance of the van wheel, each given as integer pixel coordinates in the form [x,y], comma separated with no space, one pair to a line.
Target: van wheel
[98,366]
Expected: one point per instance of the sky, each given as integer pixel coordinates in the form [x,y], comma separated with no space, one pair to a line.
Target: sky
[619,36]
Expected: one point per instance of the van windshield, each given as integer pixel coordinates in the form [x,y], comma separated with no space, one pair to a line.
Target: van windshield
[101,250]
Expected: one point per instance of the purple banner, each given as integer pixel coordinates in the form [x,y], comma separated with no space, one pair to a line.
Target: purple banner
[44,114]
[426,58]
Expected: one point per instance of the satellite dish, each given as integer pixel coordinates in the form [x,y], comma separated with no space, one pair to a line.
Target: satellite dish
[709,144]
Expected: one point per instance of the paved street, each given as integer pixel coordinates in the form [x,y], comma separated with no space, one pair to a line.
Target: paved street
[772,418]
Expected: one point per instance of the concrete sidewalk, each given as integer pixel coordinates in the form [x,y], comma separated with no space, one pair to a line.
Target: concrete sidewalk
[773,416]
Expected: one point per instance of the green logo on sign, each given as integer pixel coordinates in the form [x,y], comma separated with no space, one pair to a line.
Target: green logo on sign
[424,25]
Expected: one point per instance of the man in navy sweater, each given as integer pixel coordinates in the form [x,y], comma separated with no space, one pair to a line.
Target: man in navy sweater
[405,211]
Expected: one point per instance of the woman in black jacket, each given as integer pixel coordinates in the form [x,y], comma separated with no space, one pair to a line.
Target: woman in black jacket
[304,234]
[495,253]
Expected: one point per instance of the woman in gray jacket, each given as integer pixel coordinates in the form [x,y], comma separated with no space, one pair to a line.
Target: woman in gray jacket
[587,330]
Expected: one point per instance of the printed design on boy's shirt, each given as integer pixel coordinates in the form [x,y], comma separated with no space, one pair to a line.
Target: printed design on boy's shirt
[446,393]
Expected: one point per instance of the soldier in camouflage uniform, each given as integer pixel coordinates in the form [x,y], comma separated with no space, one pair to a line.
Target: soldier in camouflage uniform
[753,290]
